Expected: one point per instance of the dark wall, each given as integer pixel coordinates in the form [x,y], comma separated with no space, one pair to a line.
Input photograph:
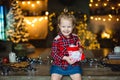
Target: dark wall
[5,48]
[75,5]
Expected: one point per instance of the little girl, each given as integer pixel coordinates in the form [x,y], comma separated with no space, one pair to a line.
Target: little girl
[62,62]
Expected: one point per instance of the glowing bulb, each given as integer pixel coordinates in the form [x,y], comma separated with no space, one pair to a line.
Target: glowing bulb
[112,7]
[23,2]
[90,5]
[16,1]
[91,0]
[117,19]
[109,19]
[32,25]
[46,18]
[110,15]
[34,20]
[41,19]
[38,2]
[104,19]
[46,13]
[105,4]
[33,5]
[118,4]
[99,18]
[96,19]
[105,35]
[91,17]
[28,2]
[96,4]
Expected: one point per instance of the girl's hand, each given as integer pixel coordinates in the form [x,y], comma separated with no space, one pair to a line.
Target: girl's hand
[68,59]
[81,51]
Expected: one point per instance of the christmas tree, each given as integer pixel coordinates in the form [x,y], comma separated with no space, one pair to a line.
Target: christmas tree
[15,30]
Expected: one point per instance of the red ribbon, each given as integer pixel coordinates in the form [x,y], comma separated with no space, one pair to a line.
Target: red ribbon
[73,48]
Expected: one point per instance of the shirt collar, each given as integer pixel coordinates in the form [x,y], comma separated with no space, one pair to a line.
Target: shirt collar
[61,35]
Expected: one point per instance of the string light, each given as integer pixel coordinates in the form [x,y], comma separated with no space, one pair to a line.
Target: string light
[110,15]
[35,20]
[96,5]
[46,13]
[117,19]
[28,2]
[33,5]
[104,19]
[119,4]
[99,18]
[109,19]
[17,2]
[104,7]
[38,2]
[23,2]
[91,1]
[105,4]
[112,8]
[91,17]
[90,5]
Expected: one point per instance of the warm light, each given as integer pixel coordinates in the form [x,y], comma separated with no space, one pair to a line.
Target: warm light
[46,13]
[91,1]
[104,19]
[117,19]
[16,1]
[34,20]
[38,2]
[32,25]
[105,35]
[118,4]
[105,4]
[96,4]
[23,2]
[90,5]
[98,0]
[41,19]
[99,18]
[27,22]
[96,19]
[110,15]
[33,5]
[113,8]
[37,26]
[109,19]
[46,17]
[91,17]
[28,2]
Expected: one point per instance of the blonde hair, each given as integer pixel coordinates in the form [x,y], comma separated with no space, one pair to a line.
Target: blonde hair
[67,16]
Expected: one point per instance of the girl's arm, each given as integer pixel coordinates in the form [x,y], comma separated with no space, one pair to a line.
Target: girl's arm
[55,51]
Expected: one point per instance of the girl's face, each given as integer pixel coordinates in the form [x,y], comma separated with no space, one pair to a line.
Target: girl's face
[66,27]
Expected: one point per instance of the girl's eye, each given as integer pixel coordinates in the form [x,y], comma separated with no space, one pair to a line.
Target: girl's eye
[66,26]
[69,26]
[63,26]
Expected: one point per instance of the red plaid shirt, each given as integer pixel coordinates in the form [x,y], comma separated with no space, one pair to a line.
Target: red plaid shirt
[59,49]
